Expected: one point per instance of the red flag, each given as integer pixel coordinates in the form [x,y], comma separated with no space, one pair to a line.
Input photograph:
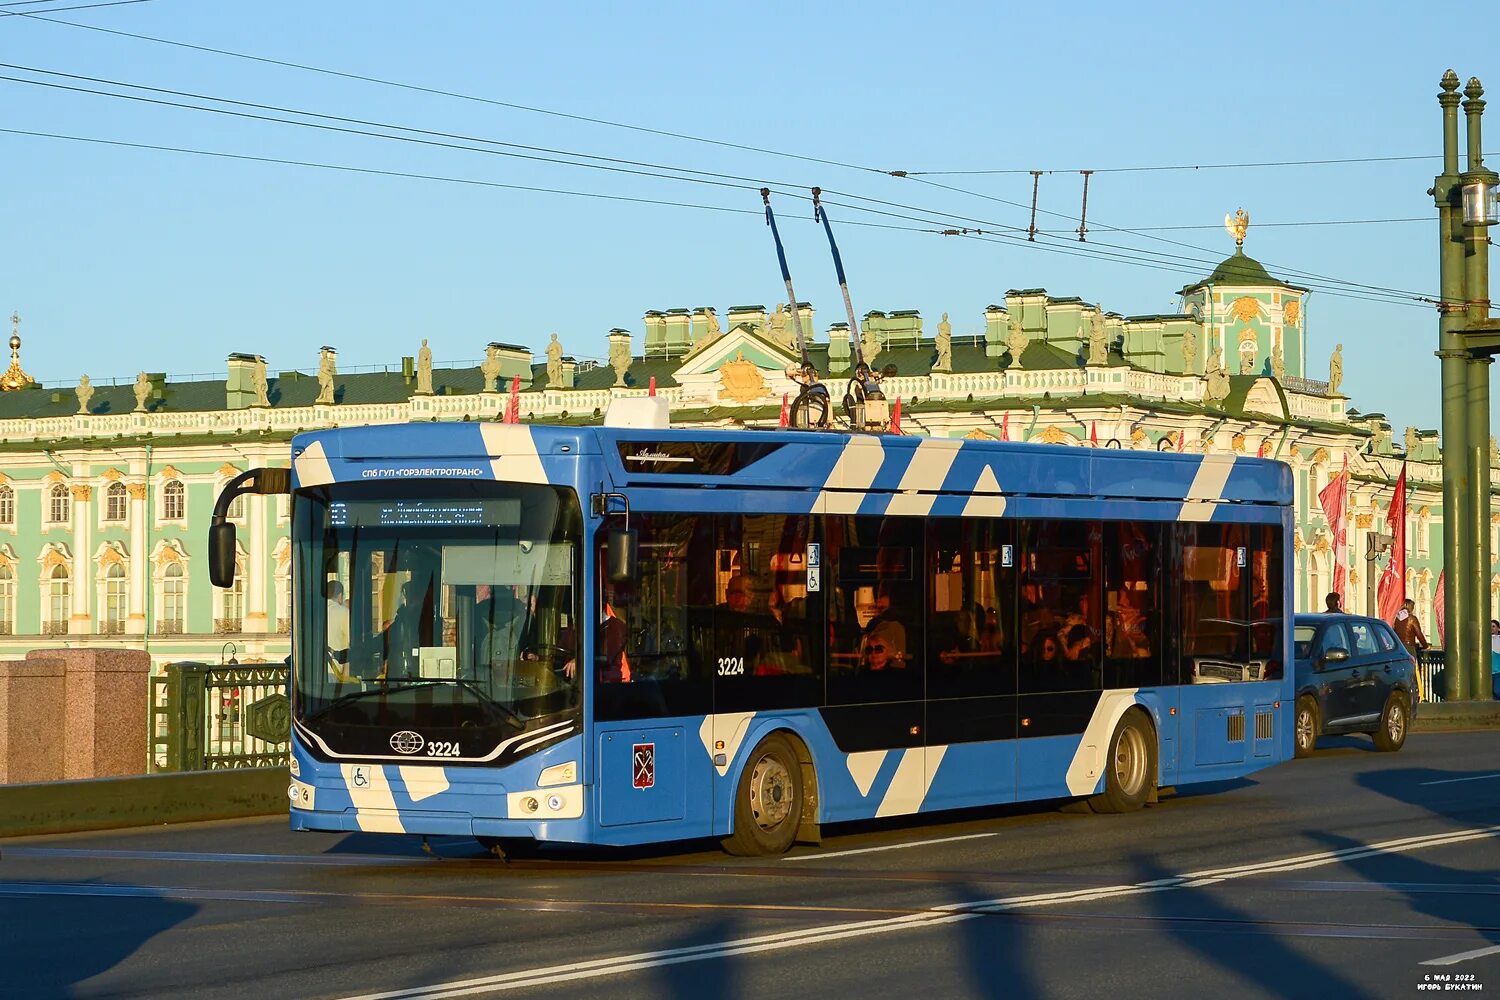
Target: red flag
[895,425]
[1335,500]
[786,414]
[1094,433]
[1005,427]
[1439,612]
[1392,590]
[651,389]
[513,405]
[1180,436]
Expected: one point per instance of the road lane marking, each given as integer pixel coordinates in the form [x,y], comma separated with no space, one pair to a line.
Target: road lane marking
[887,847]
[1449,781]
[1464,956]
[334,860]
[935,917]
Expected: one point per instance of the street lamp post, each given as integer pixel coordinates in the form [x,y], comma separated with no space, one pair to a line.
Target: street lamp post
[1458,603]
[1477,187]
[1468,340]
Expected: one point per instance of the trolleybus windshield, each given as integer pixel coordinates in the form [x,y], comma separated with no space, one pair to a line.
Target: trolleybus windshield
[448,610]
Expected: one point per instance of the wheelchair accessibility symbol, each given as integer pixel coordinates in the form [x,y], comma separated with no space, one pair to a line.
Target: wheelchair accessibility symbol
[361,778]
[643,765]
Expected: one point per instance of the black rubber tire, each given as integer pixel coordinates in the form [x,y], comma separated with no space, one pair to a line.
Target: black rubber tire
[1395,720]
[1305,740]
[1130,766]
[768,801]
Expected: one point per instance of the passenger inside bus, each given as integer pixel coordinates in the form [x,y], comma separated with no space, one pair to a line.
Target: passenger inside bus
[884,646]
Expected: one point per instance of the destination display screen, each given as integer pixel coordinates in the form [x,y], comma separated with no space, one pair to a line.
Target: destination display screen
[468,513]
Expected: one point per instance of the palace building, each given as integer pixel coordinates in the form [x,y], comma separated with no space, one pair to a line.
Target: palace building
[106,488]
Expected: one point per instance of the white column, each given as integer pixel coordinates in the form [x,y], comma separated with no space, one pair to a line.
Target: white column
[140,554]
[255,573]
[83,563]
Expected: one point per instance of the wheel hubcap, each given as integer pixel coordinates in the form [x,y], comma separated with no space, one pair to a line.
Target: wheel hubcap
[1304,729]
[1396,724]
[1130,761]
[771,796]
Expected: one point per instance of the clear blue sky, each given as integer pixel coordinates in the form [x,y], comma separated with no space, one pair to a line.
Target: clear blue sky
[123,259]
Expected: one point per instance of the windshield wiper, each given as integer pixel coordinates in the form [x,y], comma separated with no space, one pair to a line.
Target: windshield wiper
[467,685]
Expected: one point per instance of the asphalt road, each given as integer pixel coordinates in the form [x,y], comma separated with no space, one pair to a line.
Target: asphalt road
[1349,874]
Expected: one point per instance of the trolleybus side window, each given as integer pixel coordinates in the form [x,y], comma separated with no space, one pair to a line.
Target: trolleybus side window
[1266,598]
[971,606]
[1133,604]
[768,639]
[1061,623]
[654,633]
[875,605]
[1217,641]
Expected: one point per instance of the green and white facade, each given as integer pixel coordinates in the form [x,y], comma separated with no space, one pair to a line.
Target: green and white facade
[104,507]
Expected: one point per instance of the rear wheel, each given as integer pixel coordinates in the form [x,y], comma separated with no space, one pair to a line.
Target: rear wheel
[1130,768]
[1306,731]
[1391,735]
[768,802]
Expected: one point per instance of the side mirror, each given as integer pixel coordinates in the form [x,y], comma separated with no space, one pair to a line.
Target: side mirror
[620,555]
[221,554]
[1334,656]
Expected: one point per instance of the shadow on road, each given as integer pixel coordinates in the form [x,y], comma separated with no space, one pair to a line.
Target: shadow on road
[52,942]
[1272,965]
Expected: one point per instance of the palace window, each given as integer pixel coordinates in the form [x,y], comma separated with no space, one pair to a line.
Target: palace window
[7,506]
[174,501]
[115,600]
[116,502]
[237,508]
[232,605]
[58,605]
[7,601]
[173,600]
[59,505]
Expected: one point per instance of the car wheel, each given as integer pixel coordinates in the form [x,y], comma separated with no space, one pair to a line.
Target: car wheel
[1305,728]
[1130,768]
[1391,736]
[768,802]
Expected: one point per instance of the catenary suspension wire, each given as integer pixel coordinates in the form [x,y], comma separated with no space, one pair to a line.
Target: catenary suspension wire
[706,179]
[59,10]
[410,175]
[678,135]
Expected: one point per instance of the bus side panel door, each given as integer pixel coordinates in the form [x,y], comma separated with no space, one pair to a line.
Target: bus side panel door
[642,775]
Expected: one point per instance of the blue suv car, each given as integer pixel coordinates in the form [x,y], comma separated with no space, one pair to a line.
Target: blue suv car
[1353,676]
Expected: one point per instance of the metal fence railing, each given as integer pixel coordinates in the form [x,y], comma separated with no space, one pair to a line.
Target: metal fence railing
[207,717]
[1430,674]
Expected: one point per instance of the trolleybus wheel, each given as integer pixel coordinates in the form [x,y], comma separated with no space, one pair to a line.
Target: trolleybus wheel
[1130,768]
[1305,733]
[768,802]
[1391,735]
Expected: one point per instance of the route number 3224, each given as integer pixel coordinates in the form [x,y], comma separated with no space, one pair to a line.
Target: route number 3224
[731,665]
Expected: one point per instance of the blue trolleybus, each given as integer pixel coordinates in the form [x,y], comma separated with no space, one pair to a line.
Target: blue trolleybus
[607,635]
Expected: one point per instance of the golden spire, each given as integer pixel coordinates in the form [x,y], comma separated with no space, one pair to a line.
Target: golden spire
[14,378]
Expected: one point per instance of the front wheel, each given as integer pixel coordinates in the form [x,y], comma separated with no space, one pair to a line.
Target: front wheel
[1306,726]
[1391,736]
[768,802]
[1130,769]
